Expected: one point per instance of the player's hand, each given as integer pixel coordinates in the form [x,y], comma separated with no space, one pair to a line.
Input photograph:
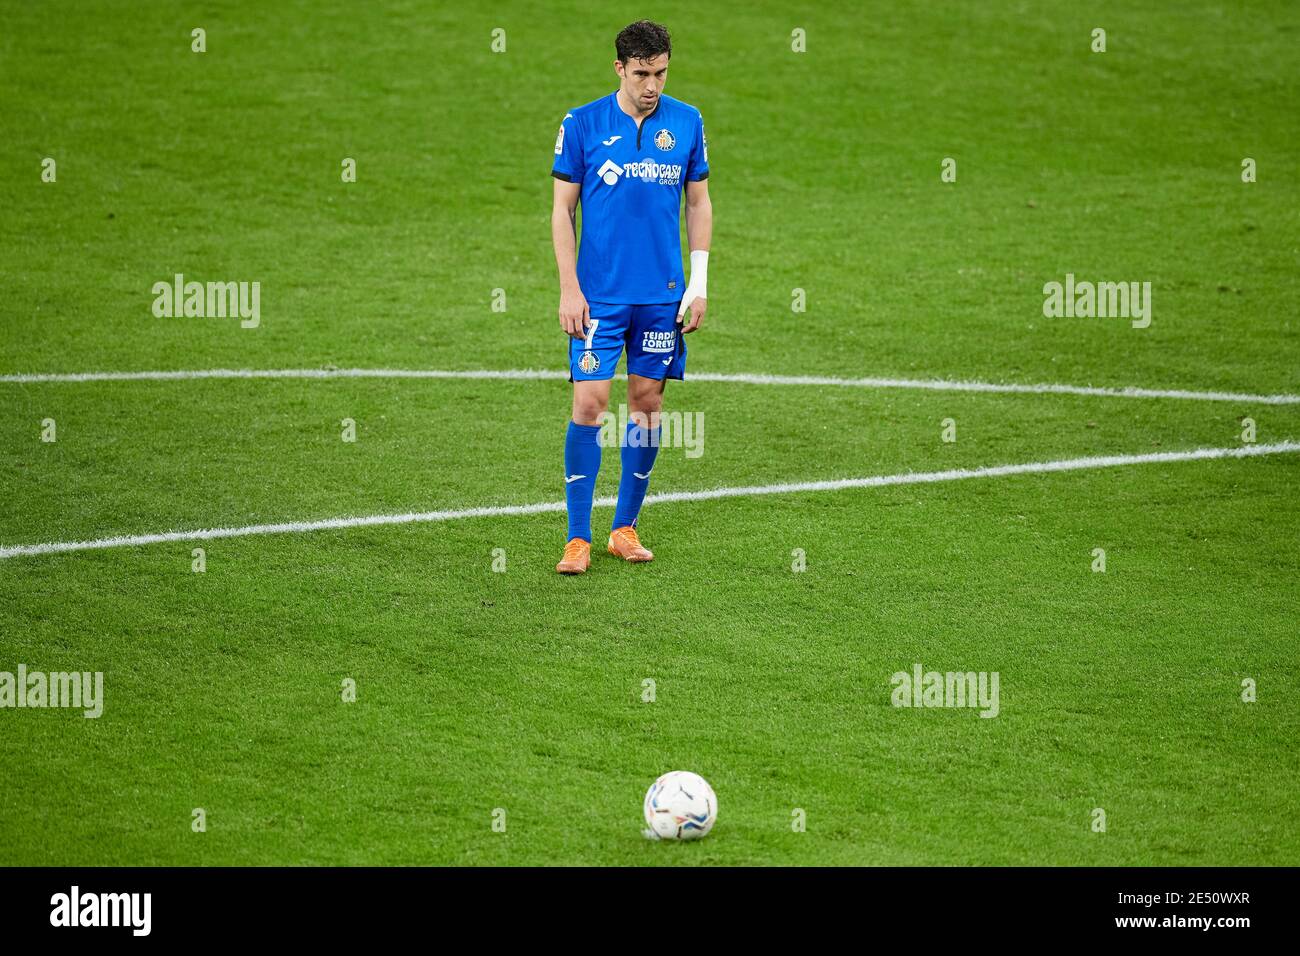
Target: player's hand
[575,314]
[697,306]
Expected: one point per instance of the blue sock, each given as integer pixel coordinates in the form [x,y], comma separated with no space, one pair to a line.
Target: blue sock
[640,446]
[581,463]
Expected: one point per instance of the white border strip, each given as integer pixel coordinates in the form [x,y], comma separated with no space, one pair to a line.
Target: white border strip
[877,481]
[937,385]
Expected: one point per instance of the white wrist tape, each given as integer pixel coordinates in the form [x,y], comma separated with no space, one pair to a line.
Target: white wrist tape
[697,288]
[699,271]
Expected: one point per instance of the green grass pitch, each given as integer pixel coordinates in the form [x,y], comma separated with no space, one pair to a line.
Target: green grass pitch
[478,690]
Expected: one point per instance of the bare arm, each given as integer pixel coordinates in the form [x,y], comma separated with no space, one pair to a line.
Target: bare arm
[574,312]
[699,234]
[699,216]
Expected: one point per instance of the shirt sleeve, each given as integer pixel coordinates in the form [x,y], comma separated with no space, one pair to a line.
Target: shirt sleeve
[697,166]
[568,151]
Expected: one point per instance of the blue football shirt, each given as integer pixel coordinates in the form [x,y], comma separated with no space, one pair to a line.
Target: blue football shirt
[630,249]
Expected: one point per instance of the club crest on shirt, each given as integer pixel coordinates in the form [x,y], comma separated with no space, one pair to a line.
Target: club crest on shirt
[665,140]
[588,362]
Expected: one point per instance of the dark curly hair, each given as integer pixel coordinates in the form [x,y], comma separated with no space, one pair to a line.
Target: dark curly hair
[643,40]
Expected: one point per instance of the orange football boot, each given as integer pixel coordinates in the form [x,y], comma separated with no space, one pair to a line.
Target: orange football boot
[577,557]
[623,543]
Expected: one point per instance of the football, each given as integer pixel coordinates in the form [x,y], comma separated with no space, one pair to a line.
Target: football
[680,805]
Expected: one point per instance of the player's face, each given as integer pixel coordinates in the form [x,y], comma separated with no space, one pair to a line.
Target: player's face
[643,80]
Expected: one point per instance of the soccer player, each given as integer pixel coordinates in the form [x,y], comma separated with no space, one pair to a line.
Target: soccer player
[627,157]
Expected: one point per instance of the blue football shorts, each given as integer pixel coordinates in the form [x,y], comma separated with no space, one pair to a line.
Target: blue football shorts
[650,333]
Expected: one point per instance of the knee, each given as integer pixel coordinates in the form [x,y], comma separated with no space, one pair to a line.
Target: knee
[645,409]
[588,409]
[645,401]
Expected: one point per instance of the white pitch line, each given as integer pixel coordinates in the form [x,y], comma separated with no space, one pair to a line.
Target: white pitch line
[839,484]
[314,373]
[944,385]
[927,384]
